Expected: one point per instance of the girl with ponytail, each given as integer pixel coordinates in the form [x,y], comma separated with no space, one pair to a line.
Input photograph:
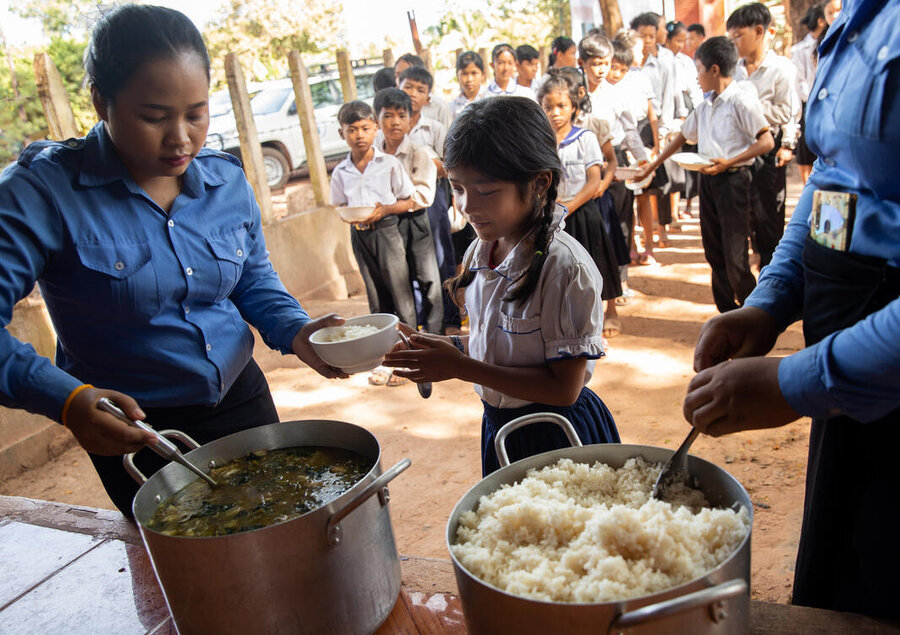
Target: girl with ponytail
[532,292]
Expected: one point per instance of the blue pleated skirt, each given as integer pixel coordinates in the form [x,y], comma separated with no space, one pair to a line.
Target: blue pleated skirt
[590,417]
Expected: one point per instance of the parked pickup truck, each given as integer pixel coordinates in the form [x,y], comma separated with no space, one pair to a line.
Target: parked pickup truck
[277,123]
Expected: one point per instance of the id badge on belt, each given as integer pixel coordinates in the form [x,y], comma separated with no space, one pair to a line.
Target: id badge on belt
[831,219]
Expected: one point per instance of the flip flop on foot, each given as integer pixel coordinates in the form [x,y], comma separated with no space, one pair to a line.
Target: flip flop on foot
[646,258]
[611,327]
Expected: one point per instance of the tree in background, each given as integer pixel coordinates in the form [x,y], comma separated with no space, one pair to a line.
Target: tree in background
[263,32]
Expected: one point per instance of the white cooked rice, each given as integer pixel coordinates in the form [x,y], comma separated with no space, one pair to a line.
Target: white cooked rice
[573,532]
[348,332]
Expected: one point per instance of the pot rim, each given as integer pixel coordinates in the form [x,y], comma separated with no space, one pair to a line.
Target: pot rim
[555,455]
[367,478]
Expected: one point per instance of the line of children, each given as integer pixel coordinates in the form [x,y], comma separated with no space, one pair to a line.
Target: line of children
[470,75]
[533,292]
[437,107]
[527,64]
[731,130]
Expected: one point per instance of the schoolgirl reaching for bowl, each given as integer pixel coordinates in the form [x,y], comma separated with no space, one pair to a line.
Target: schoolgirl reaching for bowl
[532,292]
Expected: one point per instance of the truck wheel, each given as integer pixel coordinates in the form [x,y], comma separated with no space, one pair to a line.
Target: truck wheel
[277,168]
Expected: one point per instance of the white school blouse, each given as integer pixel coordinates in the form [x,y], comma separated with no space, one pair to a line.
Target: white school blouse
[577,152]
[512,89]
[562,319]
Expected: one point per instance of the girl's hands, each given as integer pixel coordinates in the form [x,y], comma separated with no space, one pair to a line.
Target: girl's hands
[101,433]
[304,350]
[431,358]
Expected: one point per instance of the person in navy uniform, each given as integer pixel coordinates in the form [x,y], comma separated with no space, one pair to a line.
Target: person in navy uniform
[150,256]
[843,280]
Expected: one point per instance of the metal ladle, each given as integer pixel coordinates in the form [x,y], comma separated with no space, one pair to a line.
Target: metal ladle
[162,446]
[675,470]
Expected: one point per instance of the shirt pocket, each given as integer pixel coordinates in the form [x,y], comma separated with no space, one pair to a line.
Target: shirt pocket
[868,104]
[230,251]
[519,325]
[121,276]
[574,177]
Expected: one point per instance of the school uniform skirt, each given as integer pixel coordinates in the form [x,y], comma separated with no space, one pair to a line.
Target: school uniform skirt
[586,226]
[589,416]
[613,228]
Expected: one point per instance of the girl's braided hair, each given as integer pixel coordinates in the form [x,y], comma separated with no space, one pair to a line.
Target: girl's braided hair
[509,139]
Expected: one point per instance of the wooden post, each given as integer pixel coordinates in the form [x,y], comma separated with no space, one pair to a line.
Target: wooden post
[251,151]
[388,55]
[488,69]
[543,59]
[54,99]
[426,57]
[612,17]
[348,83]
[456,57]
[315,161]
[414,32]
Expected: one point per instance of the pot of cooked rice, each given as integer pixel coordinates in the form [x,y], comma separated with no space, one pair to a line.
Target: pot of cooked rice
[571,541]
[295,538]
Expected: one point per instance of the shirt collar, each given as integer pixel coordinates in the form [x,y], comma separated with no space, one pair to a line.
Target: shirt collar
[102,166]
[725,95]
[402,149]
[573,135]
[348,165]
[518,260]
[494,87]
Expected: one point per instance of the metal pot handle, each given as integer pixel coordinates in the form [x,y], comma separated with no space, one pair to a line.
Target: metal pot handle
[128,459]
[538,417]
[713,597]
[379,485]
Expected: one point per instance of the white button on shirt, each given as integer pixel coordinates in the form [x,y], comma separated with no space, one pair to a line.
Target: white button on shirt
[563,318]
[725,125]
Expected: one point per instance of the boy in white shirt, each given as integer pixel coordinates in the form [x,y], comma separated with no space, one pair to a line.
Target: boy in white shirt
[731,130]
[393,108]
[504,84]
[437,108]
[527,63]
[774,78]
[369,177]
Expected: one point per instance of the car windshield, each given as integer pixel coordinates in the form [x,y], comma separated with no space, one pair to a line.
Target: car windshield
[270,100]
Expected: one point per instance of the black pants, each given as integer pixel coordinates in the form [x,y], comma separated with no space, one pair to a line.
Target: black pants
[247,404]
[725,203]
[767,220]
[423,269]
[381,255]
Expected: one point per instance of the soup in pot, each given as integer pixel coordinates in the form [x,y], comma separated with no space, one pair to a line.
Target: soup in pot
[260,489]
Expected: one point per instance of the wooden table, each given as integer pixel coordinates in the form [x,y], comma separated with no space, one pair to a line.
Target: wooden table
[73,569]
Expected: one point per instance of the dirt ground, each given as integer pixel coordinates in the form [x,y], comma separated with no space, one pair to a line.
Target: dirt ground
[642,380]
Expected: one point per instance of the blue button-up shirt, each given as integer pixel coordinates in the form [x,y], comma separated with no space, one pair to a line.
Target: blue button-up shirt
[853,125]
[144,302]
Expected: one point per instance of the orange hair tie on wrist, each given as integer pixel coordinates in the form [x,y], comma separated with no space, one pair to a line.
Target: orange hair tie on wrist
[70,399]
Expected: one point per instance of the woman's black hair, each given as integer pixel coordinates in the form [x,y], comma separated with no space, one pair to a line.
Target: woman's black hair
[133,34]
[567,80]
[502,48]
[674,28]
[469,57]
[559,45]
[509,139]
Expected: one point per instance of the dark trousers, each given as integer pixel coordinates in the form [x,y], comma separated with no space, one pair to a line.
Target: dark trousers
[443,247]
[381,255]
[247,404]
[725,203]
[423,269]
[767,219]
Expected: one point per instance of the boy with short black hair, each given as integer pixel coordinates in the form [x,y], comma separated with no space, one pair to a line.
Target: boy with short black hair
[393,108]
[437,108]
[527,63]
[369,177]
[695,36]
[731,131]
[774,77]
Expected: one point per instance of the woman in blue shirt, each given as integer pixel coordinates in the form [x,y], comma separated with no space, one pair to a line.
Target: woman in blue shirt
[838,269]
[150,256]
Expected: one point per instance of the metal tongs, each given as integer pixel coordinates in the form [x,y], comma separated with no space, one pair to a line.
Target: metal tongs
[162,446]
[675,470]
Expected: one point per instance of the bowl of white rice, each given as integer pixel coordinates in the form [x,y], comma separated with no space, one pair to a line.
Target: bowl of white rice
[572,541]
[359,344]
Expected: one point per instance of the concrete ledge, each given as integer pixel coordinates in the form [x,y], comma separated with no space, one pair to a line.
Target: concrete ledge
[28,441]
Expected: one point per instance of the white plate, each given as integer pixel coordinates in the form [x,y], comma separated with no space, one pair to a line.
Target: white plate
[355,214]
[624,173]
[690,160]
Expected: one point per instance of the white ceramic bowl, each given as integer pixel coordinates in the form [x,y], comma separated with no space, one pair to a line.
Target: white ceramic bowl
[362,353]
[355,214]
[690,160]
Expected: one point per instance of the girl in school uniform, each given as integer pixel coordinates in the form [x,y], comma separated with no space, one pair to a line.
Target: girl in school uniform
[532,291]
[504,84]
[470,75]
[582,179]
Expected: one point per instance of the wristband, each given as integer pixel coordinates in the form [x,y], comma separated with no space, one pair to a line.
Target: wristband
[457,342]
[70,399]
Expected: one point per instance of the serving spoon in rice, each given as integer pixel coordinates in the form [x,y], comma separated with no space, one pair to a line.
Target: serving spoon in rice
[675,470]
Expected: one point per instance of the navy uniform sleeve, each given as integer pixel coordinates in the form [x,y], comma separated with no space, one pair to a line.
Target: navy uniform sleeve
[31,230]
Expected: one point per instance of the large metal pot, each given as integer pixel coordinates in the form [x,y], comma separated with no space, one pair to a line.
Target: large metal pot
[718,602]
[332,570]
